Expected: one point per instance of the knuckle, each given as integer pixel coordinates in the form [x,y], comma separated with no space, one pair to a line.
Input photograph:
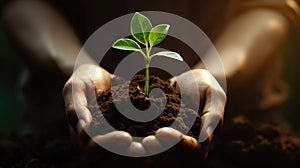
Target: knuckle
[67,87]
[205,74]
[221,94]
[71,83]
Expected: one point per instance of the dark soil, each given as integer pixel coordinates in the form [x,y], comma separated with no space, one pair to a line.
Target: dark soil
[244,143]
[240,142]
[169,112]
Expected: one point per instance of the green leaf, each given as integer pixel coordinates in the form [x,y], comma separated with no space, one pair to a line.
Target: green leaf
[126,44]
[169,54]
[140,27]
[158,34]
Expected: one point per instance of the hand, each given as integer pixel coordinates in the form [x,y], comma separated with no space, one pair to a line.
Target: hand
[211,115]
[79,92]
[212,98]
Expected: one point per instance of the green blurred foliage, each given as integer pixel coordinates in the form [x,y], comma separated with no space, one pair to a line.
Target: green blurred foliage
[10,97]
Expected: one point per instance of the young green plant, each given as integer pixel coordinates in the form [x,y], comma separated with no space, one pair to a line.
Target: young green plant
[142,31]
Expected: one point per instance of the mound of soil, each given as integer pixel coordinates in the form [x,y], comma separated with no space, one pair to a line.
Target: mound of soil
[169,112]
[240,142]
[244,143]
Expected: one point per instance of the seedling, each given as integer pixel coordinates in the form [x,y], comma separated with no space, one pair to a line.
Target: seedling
[142,30]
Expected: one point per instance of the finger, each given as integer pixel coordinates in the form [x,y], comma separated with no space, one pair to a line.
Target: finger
[136,149]
[164,139]
[190,142]
[119,142]
[112,140]
[151,142]
[188,84]
[168,135]
[78,114]
[213,112]
[152,145]
[190,147]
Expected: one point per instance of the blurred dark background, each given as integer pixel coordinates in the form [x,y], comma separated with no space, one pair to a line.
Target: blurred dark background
[290,54]
[11,67]
[10,90]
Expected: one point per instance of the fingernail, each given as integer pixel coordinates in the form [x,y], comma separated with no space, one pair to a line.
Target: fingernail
[80,125]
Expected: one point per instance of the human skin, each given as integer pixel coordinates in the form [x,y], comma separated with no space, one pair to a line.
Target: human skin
[45,34]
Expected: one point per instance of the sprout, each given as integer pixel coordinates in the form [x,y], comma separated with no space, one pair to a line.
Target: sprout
[142,31]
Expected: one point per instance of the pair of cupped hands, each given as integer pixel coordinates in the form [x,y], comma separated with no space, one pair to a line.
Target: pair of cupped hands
[92,78]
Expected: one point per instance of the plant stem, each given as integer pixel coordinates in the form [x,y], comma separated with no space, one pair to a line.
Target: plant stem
[147,63]
[146,88]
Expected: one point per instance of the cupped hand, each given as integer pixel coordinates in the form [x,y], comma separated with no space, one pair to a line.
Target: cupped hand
[81,91]
[212,100]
